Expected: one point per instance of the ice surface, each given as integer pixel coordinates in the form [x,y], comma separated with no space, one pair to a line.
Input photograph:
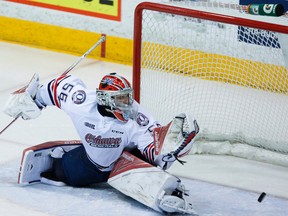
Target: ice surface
[19,63]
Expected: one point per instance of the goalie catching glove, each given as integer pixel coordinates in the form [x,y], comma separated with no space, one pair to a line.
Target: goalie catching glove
[23,103]
[174,140]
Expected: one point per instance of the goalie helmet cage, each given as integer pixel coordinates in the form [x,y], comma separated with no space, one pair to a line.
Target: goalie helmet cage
[228,72]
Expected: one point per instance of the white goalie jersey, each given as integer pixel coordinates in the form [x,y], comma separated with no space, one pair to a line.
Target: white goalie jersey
[107,139]
[104,138]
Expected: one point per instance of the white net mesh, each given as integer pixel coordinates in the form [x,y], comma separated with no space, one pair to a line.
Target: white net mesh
[232,79]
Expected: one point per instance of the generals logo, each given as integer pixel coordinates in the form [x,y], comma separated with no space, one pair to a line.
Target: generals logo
[142,120]
[79,97]
[103,142]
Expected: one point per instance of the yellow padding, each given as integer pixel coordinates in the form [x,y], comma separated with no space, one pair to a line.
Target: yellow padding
[64,39]
[216,67]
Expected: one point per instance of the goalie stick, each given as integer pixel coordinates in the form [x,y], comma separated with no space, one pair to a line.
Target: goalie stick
[102,39]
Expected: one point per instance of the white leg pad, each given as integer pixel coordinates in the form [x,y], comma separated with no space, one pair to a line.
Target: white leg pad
[147,184]
[37,159]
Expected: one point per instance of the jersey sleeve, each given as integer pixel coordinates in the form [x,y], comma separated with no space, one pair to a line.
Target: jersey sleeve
[143,137]
[59,92]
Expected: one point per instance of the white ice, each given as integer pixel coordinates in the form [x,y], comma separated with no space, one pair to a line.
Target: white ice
[219,186]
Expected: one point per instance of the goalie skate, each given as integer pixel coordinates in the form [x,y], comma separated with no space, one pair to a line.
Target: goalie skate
[172,204]
[37,159]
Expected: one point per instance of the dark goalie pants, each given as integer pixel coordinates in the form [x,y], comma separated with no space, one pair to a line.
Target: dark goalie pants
[75,169]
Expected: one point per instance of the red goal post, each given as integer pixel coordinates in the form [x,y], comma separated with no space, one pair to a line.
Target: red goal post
[212,66]
[190,13]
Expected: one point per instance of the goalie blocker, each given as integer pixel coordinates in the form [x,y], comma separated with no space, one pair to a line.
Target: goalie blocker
[132,176]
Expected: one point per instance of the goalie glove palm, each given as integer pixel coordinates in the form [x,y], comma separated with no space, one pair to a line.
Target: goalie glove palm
[174,140]
[21,102]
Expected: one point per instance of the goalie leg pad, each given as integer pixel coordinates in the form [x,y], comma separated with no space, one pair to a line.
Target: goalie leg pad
[74,167]
[37,159]
[148,185]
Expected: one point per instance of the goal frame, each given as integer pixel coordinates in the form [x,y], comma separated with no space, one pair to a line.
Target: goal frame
[189,13]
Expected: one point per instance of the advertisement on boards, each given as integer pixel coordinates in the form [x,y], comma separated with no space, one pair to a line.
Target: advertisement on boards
[105,9]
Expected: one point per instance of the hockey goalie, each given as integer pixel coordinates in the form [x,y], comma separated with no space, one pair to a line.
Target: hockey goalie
[120,142]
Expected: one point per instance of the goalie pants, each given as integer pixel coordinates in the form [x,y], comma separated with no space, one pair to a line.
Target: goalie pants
[78,170]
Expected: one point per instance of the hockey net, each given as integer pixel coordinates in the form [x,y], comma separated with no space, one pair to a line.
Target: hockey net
[229,72]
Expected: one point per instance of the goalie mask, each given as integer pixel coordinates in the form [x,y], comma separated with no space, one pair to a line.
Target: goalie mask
[116,94]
